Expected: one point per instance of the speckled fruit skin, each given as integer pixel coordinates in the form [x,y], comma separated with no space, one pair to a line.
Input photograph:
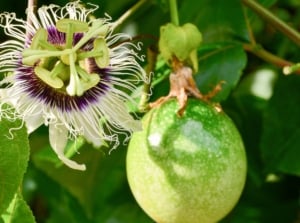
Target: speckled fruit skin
[188,169]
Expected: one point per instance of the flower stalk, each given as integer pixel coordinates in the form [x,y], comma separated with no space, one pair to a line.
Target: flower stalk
[174,12]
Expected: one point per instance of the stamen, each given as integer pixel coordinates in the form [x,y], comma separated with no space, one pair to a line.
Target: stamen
[31,56]
[58,69]
[97,29]
[41,34]
[89,80]
[89,54]
[74,87]
[40,40]
[45,76]
[71,26]
[93,81]
[45,45]
[101,46]
[83,74]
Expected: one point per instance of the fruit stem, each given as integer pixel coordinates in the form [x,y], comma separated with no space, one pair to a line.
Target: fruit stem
[174,12]
[183,85]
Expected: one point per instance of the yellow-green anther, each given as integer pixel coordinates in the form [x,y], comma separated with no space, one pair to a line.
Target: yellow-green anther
[40,40]
[45,76]
[41,34]
[30,61]
[94,80]
[101,29]
[63,25]
[97,29]
[58,69]
[71,26]
[101,46]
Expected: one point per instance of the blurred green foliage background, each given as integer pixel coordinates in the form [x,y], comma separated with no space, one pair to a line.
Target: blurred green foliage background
[264,104]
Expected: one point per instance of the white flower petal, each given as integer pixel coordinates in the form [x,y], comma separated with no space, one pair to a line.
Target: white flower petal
[89,128]
[5,97]
[58,137]
[117,111]
[33,122]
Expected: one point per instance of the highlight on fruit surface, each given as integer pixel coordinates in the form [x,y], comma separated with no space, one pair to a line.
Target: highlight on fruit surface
[188,169]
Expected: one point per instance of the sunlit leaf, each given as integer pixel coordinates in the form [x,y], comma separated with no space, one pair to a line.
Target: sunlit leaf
[18,211]
[14,155]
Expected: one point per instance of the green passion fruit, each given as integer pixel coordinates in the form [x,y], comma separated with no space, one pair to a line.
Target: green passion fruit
[188,169]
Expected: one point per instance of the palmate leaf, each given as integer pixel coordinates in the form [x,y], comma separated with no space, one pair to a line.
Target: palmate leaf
[14,155]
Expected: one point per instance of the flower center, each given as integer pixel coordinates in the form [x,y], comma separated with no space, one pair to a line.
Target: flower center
[63,66]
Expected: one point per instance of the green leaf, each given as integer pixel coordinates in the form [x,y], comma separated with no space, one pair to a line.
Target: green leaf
[18,211]
[47,154]
[220,62]
[280,141]
[217,20]
[99,191]
[103,173]
[14,155]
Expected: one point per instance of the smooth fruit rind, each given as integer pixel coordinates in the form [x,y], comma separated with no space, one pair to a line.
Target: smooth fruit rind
[186,169]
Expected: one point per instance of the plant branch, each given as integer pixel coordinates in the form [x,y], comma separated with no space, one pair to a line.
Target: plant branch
[273,20]
[267,56]
[128,13]
[249,29]
[152,57]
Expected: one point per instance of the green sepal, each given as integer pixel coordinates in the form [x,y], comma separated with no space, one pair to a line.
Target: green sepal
[193,60]
[180,41]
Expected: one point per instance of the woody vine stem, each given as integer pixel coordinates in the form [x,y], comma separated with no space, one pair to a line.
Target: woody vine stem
[281,26]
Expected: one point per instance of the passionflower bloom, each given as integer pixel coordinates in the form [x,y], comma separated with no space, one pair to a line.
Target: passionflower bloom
[67,70]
